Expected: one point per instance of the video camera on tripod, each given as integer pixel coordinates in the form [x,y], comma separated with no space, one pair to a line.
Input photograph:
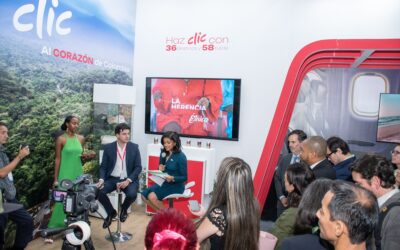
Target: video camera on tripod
[78,198]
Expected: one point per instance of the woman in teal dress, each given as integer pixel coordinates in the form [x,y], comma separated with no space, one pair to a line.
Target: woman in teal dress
[68,164]
[173,162]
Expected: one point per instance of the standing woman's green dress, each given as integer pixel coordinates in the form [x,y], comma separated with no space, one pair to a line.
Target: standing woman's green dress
[70,168]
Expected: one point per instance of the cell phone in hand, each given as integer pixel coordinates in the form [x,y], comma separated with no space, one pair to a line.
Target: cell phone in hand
[194,205]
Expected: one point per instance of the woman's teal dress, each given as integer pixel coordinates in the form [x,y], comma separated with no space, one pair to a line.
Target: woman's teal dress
[175,166]
[70,168]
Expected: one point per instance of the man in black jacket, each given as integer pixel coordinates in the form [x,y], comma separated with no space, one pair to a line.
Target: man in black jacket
[294,140]
[313,152]
[120,168]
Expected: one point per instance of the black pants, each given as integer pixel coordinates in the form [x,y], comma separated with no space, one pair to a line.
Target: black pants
[110,185]
[24,223]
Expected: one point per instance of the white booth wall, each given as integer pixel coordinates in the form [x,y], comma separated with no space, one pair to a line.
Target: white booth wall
[264,36]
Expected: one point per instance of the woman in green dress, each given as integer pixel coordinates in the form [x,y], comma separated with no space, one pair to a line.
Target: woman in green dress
[68,164]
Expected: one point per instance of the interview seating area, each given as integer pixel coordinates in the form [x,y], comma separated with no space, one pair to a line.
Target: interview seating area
[135,224]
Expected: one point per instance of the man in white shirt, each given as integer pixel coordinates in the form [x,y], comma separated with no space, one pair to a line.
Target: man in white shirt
[119,169]
[375,173]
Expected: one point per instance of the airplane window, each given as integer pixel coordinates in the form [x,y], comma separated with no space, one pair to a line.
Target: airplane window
[366,91]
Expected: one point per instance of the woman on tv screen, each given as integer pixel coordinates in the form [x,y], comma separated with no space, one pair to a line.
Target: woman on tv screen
[187,106]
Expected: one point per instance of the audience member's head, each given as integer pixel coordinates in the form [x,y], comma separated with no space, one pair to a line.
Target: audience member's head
[348,214]
[169,229]
[295,137]
[396,163]
[373,172]
[396,156]
[338,150]
[234,190]
[313,150]
[310,203]
[297,177]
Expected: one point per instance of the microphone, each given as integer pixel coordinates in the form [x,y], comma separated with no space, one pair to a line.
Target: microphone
[49,232]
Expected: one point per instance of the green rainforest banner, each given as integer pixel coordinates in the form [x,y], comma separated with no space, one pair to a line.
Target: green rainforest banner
[51,54]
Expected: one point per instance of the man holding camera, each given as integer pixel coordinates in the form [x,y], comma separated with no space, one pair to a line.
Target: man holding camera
[119,169]
[20,217]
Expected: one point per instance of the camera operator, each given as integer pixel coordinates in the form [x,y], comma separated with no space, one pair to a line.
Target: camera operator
[20,217]
[120,168]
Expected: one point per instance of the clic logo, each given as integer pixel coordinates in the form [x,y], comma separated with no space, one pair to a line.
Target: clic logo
[197,38]
[200,41]
[52,19]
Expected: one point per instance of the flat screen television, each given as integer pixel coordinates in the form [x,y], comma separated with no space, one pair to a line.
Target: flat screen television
[193,107]
[389,118]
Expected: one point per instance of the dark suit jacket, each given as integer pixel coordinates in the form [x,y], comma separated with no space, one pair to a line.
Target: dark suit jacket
[324,169]
[305,241]
[342,169]
[390,232]
[279,178]
[133,161]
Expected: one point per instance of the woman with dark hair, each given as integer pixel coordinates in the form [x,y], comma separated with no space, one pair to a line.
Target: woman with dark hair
[169,229]
[173,162]
[306,224]
[396,163]
[232,220]
[68,164]
[297,177]
[310,203]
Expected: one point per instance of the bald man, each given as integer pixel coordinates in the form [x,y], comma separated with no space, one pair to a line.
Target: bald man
[313,152]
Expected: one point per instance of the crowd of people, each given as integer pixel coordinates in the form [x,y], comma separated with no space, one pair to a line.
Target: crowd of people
[352,204]
[327,199]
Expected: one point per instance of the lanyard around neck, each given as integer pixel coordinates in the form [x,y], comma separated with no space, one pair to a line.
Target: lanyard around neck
[121,156]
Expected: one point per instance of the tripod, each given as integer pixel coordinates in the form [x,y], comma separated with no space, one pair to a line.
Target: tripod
[68,246]
[74,234]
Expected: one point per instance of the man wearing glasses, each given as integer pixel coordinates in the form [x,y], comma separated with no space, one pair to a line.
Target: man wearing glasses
[338,152]
[396,162]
